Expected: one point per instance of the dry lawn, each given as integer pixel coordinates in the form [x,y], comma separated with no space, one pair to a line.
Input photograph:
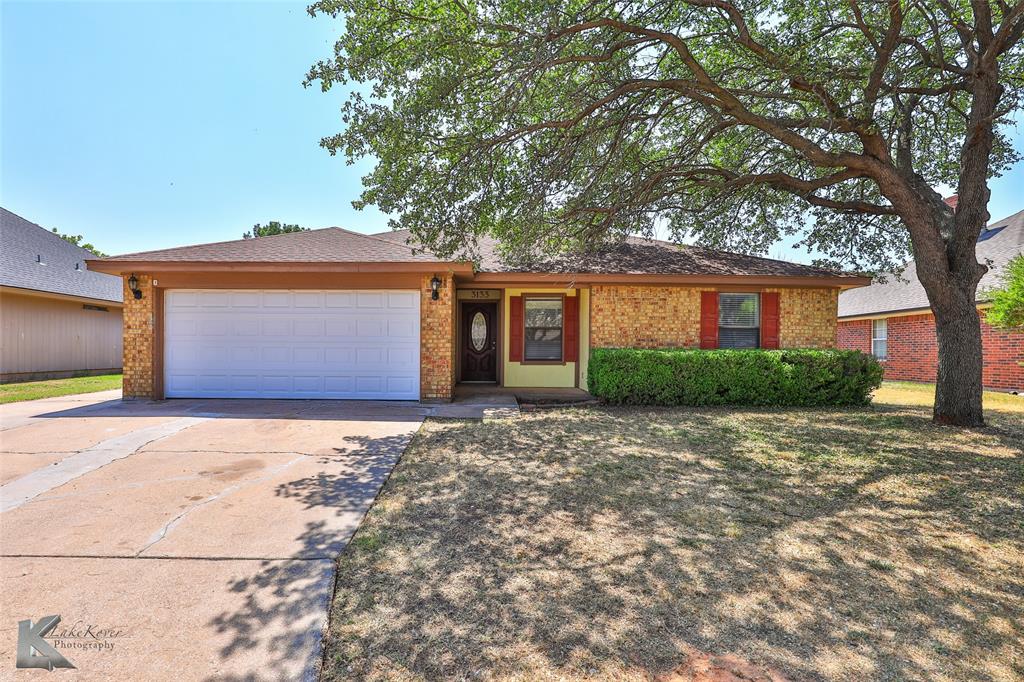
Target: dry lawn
[610,543]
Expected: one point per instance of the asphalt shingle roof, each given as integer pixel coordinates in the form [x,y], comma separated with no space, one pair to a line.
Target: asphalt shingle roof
[327,245]
[905,292]
[23,242]
[337,245]
[644,257]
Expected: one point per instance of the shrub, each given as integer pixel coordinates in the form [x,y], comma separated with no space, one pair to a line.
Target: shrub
[628,376]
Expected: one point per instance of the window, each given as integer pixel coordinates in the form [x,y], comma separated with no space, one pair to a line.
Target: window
[542,322]
[739,321]
[879,338]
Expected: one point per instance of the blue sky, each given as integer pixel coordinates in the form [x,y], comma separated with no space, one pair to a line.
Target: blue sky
[145,125]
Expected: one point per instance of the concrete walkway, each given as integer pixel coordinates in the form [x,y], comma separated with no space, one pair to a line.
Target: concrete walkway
[186,539]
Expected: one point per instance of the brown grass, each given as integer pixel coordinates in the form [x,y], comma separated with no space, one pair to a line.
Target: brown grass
[618,543]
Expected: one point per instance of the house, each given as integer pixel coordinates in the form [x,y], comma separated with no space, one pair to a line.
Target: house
[893,319]
[336,314]
[57,319]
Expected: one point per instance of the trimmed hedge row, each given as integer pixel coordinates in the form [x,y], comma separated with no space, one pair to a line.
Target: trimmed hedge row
[628,376]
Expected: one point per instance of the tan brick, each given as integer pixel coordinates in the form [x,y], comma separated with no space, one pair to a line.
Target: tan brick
[437,339]
[138,340]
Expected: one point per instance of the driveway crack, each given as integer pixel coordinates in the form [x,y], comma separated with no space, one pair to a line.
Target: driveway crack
[170,525]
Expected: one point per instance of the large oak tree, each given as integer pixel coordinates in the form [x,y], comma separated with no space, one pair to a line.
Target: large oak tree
[564,125]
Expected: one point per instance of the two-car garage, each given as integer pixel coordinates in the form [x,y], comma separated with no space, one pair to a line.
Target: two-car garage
[353,344]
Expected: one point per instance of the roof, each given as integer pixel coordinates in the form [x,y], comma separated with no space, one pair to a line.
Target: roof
[342,248]
[34,258]
[998,244]
[327,245]
[639,256]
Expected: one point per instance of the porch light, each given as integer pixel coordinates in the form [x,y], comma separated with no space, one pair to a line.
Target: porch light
[133,285]
[435,287]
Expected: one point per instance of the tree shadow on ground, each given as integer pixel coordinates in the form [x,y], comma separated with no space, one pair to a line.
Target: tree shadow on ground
[286,601]
[615,543]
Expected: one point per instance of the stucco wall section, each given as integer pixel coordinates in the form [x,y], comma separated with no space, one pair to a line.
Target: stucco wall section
[138,340]
[807,317]
[644,317]
[437,340]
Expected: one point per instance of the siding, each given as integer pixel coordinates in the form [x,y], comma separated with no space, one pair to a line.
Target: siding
[45,335]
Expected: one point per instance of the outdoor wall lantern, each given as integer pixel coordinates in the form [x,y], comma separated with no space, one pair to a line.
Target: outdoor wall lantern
[133,285]
[435,287]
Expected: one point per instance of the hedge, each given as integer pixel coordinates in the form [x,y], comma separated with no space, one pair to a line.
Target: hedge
[628,376]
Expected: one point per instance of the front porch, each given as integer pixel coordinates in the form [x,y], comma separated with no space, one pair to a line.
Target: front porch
[465,393]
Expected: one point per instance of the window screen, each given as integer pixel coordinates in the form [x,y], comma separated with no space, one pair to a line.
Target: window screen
[879,338]
[739,321]
[542,320]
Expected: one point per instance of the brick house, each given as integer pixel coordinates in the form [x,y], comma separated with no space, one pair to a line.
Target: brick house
[893,320]
[336,314]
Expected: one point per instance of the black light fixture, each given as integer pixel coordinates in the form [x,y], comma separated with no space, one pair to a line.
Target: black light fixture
[133,285]
[435,288]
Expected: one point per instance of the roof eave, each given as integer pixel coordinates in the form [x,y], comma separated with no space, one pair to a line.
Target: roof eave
[113,266]
[672,279]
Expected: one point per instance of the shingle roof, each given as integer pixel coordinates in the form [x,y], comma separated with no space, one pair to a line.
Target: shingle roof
[905,292]
[645,257]
[327,245]
[22,242]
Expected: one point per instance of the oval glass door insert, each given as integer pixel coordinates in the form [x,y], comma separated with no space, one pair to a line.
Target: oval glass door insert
[478,331]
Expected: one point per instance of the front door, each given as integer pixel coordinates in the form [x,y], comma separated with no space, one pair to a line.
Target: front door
[479,341]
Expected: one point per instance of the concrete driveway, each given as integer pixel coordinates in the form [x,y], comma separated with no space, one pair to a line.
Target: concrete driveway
[186,539]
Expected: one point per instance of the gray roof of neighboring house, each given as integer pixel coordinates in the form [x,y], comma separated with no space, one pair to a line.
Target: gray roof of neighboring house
[639,256]
[32,257]
[905,292]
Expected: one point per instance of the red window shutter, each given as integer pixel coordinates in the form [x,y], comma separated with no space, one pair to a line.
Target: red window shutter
[515,329]
[709,319]
[770,319]
[571,328]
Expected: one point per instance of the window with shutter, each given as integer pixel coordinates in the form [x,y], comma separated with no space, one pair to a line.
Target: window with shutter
[542,326]
[739,321]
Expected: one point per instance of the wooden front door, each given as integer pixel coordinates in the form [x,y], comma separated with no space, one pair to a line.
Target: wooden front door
[479,341]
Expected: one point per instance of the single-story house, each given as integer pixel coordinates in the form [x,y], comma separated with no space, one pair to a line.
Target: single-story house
[332,313]
[893,319]
[57,319]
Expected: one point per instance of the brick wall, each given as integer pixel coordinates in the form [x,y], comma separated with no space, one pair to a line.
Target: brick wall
[669,317]
[644,317]
[855,335]
[437,340]
[138,340]
[913,352]
[807,317]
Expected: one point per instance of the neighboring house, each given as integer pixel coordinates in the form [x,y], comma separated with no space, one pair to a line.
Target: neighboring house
[336,314]
[894,321]
[57,319]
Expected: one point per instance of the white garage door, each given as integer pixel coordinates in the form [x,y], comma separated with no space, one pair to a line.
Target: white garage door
[292,344]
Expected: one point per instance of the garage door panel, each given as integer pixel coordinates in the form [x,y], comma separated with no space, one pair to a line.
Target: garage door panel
[281,344]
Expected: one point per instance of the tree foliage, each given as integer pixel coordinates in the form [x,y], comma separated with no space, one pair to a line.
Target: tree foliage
[1007,309]
[558,125]
[76,239]
[271,228]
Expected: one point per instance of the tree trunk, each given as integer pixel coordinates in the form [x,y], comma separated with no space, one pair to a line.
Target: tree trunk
[958,384]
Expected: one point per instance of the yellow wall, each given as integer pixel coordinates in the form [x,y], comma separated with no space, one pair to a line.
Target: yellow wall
[544,376]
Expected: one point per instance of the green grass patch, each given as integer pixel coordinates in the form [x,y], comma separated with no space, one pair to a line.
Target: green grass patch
[50,388]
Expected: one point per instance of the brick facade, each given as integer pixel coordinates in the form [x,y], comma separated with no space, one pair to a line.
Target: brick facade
[644,317]
[437,340]
[669,317]
[139,324]
[913,353]
[807,317]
